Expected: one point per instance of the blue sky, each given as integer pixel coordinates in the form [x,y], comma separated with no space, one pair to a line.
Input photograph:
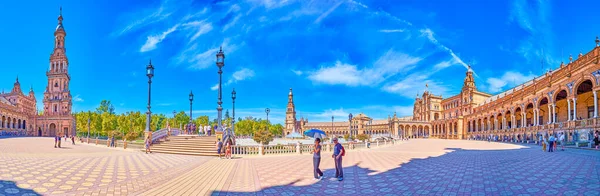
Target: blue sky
[339,56]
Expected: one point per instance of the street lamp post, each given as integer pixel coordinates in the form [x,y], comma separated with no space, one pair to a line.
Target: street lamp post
[267,111]
[332,124]
[191,100]
[350,124]
[150,74]
[220,64]
[233,94]
[191,119]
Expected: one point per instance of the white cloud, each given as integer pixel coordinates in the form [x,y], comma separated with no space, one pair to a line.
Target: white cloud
[388,65]
[215,87]
[297,72]
[509,79]
[430,35]
[196,58]
[153,40]
[392,30]
[326,13]
[240,75]
[231,23]
[202,27]
[77,98]
[413,84]
[151,16]
[538,45]
[444,64]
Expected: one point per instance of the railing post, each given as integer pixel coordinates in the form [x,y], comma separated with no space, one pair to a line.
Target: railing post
[125,144]
[260,149]
[377,143]
[298,151]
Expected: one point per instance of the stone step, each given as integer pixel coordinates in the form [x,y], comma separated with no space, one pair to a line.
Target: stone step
[186,153]
[185,145]
[184,148]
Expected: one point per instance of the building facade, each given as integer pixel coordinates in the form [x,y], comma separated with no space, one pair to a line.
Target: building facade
[19,112]
[358,124]
[562,100]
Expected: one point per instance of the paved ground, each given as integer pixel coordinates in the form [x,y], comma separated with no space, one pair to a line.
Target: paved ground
[426,167]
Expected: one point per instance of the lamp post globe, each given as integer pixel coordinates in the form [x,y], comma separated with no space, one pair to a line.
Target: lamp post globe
[267,111]
[150,74]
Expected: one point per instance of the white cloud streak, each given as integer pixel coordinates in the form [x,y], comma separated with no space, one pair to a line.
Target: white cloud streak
[153,40]
[389,64]
[508,80]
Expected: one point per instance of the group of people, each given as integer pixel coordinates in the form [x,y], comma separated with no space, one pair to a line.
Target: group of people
[227,149]
[338,153]
[552,141]
[58,139]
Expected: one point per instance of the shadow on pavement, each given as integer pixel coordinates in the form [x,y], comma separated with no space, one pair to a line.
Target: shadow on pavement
[11,188]
[462,172]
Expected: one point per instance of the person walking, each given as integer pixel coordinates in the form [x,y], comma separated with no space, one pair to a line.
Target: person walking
[596,140]
[219,146]
[228,149]
[73,139]
[317,159]
[148,141]
[562,141]
[55,141]
[551,143]
[59,139]
[338,152]
[543,142]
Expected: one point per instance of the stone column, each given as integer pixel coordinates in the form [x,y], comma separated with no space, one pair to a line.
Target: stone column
[595,104]
[523,119]
[549,114]
[575,108]
[459,128]
[568,110]
[553,113]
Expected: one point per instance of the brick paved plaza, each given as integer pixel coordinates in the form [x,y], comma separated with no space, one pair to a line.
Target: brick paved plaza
[31,166]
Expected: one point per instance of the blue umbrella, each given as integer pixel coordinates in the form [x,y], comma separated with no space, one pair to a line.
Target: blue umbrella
[315,133]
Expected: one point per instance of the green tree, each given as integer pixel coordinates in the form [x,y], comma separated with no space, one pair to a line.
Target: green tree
[363,137]
[263,137]
[105,107]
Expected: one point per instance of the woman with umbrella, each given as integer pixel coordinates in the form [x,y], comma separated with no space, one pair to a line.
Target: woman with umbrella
[317,134]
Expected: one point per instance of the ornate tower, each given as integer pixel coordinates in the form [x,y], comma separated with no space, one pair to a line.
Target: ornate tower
[57,118]
[290,115]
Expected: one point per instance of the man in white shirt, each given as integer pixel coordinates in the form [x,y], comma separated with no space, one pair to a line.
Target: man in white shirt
[562,141]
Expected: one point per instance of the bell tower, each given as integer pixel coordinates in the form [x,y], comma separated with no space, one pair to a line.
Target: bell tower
[290,115]
[57,96]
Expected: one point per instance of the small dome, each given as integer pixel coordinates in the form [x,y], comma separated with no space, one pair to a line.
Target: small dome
[59,27]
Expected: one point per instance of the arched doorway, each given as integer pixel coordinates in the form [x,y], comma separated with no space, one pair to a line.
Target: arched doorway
[52,129]
[39,131]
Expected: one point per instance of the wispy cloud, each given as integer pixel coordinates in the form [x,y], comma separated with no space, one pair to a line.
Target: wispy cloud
[326,13]
[430,35]
[197,58]
[150,16]
[153,40]
[164,104]
[297,72]
[388,65]
[413,84]
[201,27]
[240,75]
[534,18]
[77,98]
[508,80]
[392,30]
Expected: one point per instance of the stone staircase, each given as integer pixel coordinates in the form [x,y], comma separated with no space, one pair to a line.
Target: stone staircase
[187,145]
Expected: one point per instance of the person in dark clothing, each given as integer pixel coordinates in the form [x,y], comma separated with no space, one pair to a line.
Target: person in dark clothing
[317,159]
[338,150]
[219,147]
